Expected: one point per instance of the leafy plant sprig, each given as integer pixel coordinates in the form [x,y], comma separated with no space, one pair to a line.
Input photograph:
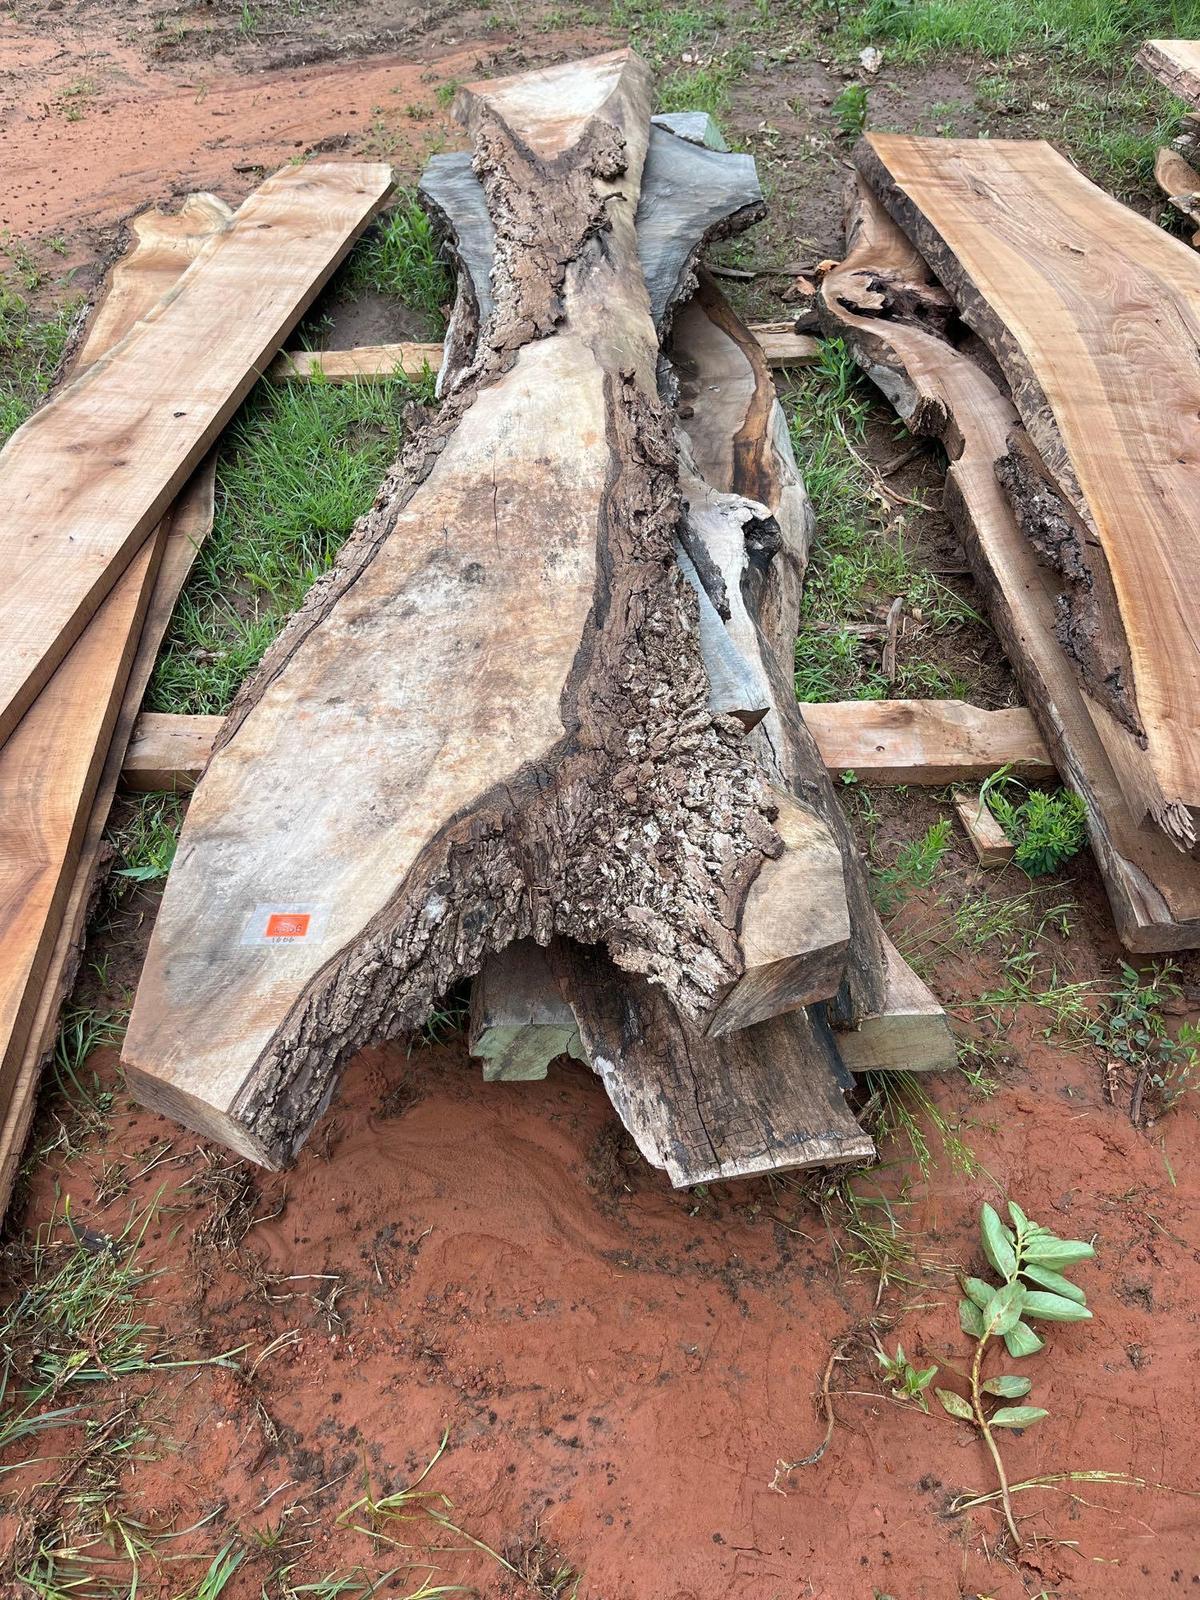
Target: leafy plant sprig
[1029,1260]
[1046,829]
[907,1382]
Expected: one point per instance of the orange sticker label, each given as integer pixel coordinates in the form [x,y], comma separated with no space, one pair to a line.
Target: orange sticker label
[287,925]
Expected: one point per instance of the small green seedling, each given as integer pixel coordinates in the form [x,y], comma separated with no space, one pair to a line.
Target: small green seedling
[1029,1260]
[1134,1031]
[907,1382]
[850,109]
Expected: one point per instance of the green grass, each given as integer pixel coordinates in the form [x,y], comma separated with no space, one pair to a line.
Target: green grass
[298,468]
[146,840]
[1094,31]
[399,257]
[861,560]
[31,347]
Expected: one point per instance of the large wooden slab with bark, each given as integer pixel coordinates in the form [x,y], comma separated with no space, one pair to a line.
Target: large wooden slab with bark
[59,772]
[885,303]
[1093,314]
[87,478]
[488,723]
[1176,63]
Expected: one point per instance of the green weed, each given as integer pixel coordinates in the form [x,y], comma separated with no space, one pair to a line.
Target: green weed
[915,867]
[905,1381]
[662,31]
[899,1107]
[702,88]
[146,840]
[861,560]
[850,109]
[1133,1031]
[1029,1260]
[1047,829]
[400,257]
[299,467]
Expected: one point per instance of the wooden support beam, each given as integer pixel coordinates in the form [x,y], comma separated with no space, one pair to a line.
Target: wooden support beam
[369,361]
[89,475]
[910,1033]
[879,302]
[926,742]
[885,743]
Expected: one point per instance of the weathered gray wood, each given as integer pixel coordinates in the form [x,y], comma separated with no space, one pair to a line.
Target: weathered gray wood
[485,724]
[875,301]
[454,197]
[766,1099]
[739,442]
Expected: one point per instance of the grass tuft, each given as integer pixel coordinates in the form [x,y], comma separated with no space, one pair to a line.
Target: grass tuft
[31,348]
[299,467]
[1094,31]
[400,257]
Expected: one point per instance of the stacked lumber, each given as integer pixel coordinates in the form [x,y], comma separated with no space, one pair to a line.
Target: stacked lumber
[537,727]
[1072,476]
[94,576]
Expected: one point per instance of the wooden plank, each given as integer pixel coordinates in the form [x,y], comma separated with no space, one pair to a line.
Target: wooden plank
[362,363]
[1093,313]
[992,846]
[385,360]
[1175,63]
[941,393]
[926,742]
[89,475]
[767,1099]
[909,1034]
[64,798]
[167,753]
[885,743]
[526,750]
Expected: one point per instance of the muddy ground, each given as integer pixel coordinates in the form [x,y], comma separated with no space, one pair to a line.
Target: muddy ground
[620,1373]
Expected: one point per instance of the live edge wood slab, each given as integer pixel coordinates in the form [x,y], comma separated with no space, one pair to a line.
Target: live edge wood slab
[542,760]
[84,481]
[1093,314]
[883,301]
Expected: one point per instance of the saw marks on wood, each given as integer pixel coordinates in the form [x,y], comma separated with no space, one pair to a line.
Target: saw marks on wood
[84,481]
[1094,316]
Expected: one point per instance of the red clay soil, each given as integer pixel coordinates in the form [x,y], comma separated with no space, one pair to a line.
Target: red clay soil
[619,1369]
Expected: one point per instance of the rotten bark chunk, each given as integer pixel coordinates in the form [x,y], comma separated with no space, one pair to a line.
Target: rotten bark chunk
[489,722]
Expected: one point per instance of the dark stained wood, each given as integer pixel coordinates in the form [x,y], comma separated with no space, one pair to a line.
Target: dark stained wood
[941,393]
[1175,63]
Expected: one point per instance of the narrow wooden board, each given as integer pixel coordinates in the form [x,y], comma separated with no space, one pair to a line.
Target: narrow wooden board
[992,846]
[1175,63]
[1094,316]
[59,771]
[85,480]
[941,393]
[926,742]
[385,360]
[362,363]
[886,743]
